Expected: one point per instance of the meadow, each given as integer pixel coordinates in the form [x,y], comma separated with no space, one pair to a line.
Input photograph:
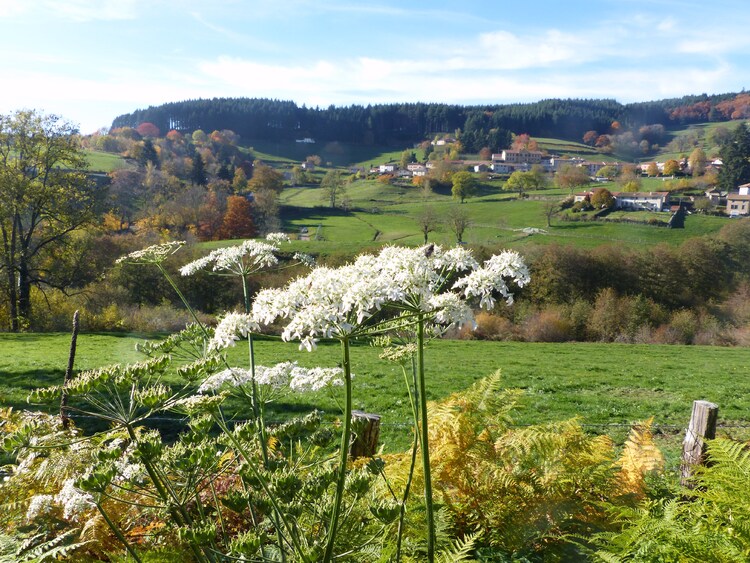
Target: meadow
[380,214]
[609,386]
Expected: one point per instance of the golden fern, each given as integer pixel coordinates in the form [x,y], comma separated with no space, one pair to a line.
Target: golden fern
[639,457]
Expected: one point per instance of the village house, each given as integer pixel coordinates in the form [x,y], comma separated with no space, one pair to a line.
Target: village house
[417,169]
[633,201]
[738,204]
[641,201]
[518,157]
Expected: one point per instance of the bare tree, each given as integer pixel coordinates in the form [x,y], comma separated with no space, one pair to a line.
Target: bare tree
[458,221]
[427,220]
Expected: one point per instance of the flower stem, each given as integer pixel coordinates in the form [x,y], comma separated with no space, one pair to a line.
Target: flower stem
[120,536]
[425,442]
[184,300]
[344,453]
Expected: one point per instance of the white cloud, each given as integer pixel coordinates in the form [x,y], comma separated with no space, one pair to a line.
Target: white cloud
[9,8]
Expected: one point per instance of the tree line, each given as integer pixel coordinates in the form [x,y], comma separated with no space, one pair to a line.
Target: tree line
[266,119]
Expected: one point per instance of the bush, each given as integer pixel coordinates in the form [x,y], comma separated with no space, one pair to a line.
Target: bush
[549,325]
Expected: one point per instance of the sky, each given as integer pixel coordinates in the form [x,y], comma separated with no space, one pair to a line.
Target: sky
[92,60]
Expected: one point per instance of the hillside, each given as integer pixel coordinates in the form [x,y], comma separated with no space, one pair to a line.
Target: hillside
[273,120]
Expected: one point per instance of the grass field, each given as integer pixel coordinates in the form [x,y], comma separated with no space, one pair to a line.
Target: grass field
[387,214]
[103,161]
[608,386]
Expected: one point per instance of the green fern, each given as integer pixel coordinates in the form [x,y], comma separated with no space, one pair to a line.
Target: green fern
[460,550]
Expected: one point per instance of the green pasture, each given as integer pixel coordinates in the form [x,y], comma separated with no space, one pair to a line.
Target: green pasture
[288,153]
[608,386]
[103,161]
[387,214]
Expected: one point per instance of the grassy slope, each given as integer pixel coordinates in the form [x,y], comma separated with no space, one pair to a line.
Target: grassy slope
[604,384]
[387,214]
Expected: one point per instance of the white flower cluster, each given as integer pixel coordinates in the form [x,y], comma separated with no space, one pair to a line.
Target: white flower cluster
[335,302]
[315,379]
[491,277]
[230,328]
[70,499]
[278,237]
[155,254]
[73,501]
[39,506]
[285,374]
[248,257]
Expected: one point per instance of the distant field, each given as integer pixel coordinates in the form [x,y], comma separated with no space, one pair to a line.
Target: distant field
[381,214]
[104,161]
[607,385]
[338,154]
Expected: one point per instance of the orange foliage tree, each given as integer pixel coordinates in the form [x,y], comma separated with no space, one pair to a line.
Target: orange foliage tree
[238,220]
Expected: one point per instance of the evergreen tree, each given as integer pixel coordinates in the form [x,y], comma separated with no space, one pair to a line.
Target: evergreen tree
[735,156]
[198,172]
[149,154]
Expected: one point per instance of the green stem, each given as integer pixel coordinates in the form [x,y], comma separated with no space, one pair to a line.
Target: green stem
[120,536]
[407,488]
[264,485]
[344,453]
[184,301]
[425,443]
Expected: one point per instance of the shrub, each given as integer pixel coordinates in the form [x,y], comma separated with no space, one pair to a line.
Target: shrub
[550,325]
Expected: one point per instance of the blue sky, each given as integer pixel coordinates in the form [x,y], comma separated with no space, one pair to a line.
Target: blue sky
[91,60]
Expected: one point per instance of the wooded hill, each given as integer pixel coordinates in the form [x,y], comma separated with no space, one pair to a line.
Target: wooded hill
[265,119]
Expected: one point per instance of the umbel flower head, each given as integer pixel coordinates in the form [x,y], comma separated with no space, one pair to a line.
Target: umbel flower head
[155,254]
[246,258]
[339,302]
[285,374]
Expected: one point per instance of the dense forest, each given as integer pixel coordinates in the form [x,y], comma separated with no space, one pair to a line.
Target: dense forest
[396,123]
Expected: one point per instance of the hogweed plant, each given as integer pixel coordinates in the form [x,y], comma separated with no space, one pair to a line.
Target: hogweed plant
[421,287]
[290,503]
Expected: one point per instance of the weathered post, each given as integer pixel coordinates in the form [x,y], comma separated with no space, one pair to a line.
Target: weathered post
[366,427]
[702,426]
[69,372]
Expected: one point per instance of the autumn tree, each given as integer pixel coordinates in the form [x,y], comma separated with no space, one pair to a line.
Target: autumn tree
[147,129]
[45,196]
[671,167]
[239,182]
[697,162]
[523,182]
[333,187]
[652,170]
[571,177]
[524,142]
[602,198]
[238,220]
[464,185]
[589,137]
[266,185]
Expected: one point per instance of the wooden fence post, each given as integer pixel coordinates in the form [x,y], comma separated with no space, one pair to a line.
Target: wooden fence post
[366,427]
[702,425]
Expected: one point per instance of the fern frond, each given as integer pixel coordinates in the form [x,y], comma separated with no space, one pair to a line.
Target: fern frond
[460,550]
[639,457]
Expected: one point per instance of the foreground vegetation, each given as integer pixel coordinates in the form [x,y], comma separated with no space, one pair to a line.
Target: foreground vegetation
[603,384]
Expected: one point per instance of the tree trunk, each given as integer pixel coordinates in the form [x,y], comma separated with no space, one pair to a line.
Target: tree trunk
[12,297]
[24,292]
